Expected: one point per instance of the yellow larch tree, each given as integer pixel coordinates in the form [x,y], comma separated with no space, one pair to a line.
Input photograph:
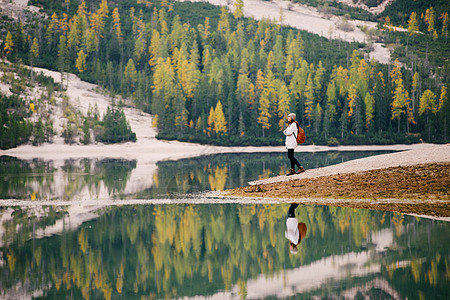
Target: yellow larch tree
[400,102]
[352,95]
[270,61]
[73,38]
[52,28]
[153,48]
[387,23]
[442,97]
[413,26]
[130,74]
[444,18]
[81,61]
[238,9]
[428,103]
[342,80]
[188,76]
[63,24]
[430,19]
[220,124]
[396,72]
[116,25]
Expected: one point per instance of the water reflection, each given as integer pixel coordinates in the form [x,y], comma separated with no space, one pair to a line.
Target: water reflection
[86,179]
[220,251]
[66,180]
[295,230]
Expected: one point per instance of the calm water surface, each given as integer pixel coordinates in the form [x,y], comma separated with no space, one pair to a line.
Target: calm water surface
[214,251]
[123,179]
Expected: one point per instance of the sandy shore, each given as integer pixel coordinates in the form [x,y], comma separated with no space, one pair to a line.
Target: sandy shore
[414,182]
[419,154]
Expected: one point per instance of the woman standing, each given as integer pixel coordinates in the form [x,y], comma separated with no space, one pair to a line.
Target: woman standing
[291,133]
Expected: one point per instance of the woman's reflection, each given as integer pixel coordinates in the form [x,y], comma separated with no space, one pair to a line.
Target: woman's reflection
[295,231]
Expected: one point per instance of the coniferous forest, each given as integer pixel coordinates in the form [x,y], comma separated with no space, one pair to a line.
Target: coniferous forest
[211,76]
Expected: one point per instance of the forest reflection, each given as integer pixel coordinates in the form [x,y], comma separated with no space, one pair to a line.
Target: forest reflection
[83,179]
[222,250]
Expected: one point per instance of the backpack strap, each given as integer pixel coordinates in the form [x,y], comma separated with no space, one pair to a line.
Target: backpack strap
[297,129]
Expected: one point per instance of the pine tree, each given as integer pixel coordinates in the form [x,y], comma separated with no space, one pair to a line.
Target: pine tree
[92,41]
[414,86]
[242,91]
[289,67]
[369,102]
[194,57]
[279,55]
[62,57]
[309,102]
[382,109]
[317,117]
[211,119]
[34,54]
[318,78]
[283,105]
[331,101]
[264,114]
[52,29]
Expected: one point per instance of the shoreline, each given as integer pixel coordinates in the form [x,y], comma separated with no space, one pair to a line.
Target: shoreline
[153,150]
[413,182]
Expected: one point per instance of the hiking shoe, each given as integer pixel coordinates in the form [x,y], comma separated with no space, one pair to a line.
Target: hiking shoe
[300,170]
[291,172]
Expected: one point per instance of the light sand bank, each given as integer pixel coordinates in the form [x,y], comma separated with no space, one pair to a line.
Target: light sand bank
[419,154]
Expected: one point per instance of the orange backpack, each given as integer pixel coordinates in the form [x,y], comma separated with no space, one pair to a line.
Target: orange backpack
[301,137]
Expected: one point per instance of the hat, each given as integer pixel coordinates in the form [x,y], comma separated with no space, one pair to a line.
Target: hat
[292,115]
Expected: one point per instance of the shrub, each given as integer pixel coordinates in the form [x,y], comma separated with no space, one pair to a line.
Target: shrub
[115,127]
[332,141]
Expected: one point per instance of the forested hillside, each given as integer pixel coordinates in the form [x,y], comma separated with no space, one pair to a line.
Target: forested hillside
[214,77]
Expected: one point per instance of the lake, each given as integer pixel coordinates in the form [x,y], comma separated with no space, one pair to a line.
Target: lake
[66,249]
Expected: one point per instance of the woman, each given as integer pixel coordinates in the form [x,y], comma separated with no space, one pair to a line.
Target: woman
[291,143]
